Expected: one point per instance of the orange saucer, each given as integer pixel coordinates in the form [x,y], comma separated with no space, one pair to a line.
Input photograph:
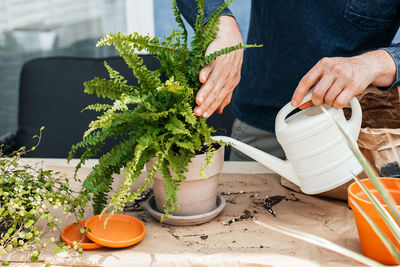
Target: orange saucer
[121,230]
[72,233]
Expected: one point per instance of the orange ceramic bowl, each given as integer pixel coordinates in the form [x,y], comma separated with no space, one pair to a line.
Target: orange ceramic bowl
[371,244]
[121,230]
[72,233]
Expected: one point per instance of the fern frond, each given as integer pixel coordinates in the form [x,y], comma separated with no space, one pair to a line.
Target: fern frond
[200,16]
[99,180]
[132,171]
[147,79]
[106,88]
[187,113]
[139,42]
[185,144]
[97,107]
[106,120]
[171,188]
[213,56]
[115,75]
[209,157]
[209,30]
[179,20]
[176,126]
[155,115]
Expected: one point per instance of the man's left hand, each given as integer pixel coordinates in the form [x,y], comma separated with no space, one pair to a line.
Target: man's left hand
[337,80]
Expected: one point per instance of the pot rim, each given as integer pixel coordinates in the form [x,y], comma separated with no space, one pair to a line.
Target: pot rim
[367,202]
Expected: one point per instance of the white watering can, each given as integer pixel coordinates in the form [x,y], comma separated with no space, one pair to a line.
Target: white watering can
[318,157]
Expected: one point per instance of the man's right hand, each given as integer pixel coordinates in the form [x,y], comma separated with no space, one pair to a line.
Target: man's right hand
[221,76]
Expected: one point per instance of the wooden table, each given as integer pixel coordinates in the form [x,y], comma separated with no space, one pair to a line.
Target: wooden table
[220,243]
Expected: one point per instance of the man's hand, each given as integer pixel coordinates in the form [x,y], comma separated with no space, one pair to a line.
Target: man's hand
[337,80]
[220,77]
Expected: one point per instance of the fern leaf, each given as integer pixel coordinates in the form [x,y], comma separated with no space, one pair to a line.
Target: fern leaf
[187,144]
[213,56]
[188,114]
[176,126]
[105,88]
[97,107]
[200,16]
[115,75]
[209,30]
[179,20]
[99,180]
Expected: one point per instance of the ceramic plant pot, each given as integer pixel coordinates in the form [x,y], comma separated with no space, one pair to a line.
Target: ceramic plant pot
[371,244]
[196,194]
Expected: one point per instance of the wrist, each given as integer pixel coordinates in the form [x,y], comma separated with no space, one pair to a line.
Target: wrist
[382,67]
[229,30]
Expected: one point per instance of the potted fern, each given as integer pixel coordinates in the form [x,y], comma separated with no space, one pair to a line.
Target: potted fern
[155,120]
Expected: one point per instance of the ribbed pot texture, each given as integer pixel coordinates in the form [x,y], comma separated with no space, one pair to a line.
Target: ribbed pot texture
[196,195]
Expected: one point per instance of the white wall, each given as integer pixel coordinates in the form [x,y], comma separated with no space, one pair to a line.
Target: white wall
[139,16]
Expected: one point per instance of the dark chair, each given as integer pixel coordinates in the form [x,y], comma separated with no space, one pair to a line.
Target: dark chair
[51,95]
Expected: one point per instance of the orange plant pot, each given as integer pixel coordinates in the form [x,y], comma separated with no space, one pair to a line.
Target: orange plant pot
[371,244]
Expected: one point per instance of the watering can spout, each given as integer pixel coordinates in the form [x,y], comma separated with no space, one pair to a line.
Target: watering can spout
[282,167]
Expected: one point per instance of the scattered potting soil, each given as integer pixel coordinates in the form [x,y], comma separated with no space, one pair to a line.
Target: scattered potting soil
[135,206]
[233,193]
[272,201]
[245,216]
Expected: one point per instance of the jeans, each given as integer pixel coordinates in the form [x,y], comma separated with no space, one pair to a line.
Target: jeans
[263,140]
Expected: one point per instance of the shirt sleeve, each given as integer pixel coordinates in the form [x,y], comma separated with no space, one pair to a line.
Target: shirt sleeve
[188,9]
[394,51]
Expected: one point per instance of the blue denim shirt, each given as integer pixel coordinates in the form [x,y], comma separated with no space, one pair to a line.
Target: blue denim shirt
[296,35]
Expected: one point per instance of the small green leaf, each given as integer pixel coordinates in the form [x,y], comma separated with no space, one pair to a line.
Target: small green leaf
[82,230]
[176,126]
[56,250]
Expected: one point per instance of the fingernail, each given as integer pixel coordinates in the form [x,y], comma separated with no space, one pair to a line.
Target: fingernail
[294,103]
[203,77]
[200,100]
[205,115]
[199,111]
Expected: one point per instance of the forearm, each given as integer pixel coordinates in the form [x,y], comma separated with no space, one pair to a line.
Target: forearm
[188,9]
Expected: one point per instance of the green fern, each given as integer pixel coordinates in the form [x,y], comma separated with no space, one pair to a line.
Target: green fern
[154,119]
[213,56]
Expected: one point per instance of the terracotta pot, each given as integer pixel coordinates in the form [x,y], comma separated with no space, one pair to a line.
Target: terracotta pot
[196,195]
[371,244]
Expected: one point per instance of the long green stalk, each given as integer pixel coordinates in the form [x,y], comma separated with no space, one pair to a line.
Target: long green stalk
[382,236]
[385,215]
[368,170]
[319,241]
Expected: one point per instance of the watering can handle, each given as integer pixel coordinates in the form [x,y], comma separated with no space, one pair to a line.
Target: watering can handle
[354,121]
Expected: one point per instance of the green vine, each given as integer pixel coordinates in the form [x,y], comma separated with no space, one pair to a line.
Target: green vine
[155,119]
[28,195]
